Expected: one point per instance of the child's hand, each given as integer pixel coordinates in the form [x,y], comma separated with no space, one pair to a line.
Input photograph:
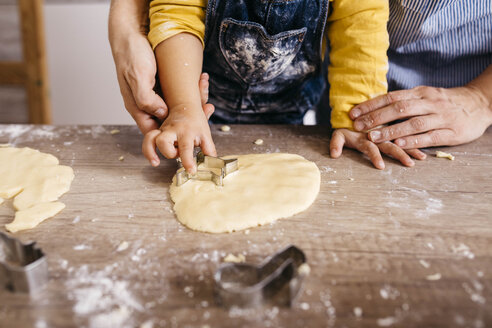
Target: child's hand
[185,127]
[359,141]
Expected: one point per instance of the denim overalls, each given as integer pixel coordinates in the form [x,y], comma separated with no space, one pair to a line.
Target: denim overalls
[264,59]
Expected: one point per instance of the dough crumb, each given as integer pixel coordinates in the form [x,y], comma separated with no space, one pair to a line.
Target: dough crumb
[386,322]
[434,277]
[258,142]
[441,154]
[225,128]
[304,269]
[305,306]
[124,245]
[424,263]
[245,232]
[115,131]
[351,179]
[147,324]
[358,312]
[121,158]
[231,258]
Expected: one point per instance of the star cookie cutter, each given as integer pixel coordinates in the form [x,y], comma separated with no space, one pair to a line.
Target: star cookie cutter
[23,267]
[226,167]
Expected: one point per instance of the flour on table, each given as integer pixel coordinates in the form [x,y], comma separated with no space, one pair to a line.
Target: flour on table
[36,180]
[266,187]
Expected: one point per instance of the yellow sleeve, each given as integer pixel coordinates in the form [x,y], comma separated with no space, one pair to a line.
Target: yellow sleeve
[168,18]
[358,61]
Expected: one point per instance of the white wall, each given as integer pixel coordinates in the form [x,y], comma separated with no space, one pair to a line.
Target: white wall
[84,89]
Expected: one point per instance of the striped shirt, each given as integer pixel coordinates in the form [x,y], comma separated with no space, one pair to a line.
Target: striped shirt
[442,43]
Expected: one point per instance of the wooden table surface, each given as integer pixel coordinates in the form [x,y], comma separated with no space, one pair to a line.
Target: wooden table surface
[376,241]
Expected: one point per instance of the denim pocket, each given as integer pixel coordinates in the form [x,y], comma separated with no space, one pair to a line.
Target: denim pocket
[253,54]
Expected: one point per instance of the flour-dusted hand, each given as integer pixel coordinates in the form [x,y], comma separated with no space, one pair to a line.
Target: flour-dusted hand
[431,116]
[184,129]
[359,141]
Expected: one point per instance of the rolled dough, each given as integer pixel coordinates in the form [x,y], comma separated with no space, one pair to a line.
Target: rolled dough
[36,181]
[266,187]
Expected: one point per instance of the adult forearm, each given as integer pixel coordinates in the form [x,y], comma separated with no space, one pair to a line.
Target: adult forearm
[483,84]
[127,17]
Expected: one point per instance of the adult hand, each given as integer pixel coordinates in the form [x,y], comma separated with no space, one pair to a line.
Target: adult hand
[359,141]
[136,65]
[432,116]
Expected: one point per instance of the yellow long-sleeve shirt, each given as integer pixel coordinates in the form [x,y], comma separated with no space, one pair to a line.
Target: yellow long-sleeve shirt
[355,29]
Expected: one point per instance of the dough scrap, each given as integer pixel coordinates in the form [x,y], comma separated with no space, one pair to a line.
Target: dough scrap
[266,187]
[441,154]
[36,181]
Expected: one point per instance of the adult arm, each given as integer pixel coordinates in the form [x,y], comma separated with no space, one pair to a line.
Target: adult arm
[432,116]
[135,63]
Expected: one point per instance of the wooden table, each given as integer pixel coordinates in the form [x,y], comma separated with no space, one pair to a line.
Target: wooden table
[399,247]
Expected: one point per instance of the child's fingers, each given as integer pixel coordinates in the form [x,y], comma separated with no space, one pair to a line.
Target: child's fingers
[148,147]
[396,152]
[208,146]
[416,153]
[165,142]
[372,151]
[336,144]
[186,147]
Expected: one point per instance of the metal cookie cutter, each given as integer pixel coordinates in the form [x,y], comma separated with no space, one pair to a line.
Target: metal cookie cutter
[226,167]
[277,280]
[23,267]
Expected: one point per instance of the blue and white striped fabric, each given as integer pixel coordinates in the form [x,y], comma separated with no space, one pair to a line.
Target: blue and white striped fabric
[442,43]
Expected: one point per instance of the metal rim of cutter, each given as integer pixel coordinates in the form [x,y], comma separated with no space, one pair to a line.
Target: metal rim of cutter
[226,167]
[23,266]
[276,280]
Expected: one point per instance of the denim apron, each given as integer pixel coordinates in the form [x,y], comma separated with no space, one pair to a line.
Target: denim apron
[264,59]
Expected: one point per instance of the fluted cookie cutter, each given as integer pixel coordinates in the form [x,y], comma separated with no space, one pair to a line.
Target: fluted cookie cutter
[23,267]
[278,280]
[226,167]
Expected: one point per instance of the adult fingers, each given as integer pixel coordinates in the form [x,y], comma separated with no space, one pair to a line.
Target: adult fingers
[185,148]
[336,143]
[208,109]
[432,138]
[148,147]
[144,121]
[165,142]
[397,110]
[382,101]
[396,152]
[416,153]
[145,97]
[412,126]
[203,85]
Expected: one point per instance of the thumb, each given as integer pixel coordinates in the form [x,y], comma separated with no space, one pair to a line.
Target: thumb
[147,99]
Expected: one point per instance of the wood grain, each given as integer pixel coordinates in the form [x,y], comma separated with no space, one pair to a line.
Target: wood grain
[372,238]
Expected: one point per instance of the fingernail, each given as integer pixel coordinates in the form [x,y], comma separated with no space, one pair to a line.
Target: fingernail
[400,142]
[411,163]
[154,162]
[359,126]
[355,112]
[375,135]
[160,112]
[381,165]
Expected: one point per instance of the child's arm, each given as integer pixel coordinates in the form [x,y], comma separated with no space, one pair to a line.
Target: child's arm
[358,65]
[179,61]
